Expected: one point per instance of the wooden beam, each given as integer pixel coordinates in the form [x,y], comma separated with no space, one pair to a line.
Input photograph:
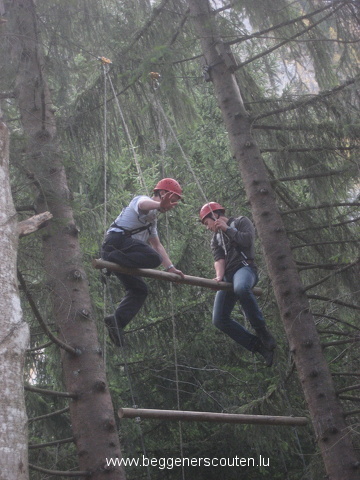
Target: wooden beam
[169,277]
[211,417]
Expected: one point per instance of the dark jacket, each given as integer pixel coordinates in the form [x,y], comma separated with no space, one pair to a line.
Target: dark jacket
[236,245]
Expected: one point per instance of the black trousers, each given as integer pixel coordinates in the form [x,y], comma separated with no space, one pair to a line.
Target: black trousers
[129,252]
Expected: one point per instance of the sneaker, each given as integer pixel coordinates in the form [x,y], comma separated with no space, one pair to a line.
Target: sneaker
[264,352]
[115,332]
[266,338]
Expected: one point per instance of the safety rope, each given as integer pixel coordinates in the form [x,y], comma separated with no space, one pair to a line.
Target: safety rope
[105,66]
[128,136]
[105,63]
[159,107]
[176,364]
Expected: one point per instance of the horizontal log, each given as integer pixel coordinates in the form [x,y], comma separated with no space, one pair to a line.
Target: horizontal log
[167,276]
[211,417]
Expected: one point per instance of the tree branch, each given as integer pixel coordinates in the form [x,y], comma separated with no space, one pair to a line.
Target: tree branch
[60,473]
[50,392]
[308,101]
[337,320]
[324,279]
[51,444]
[349,398]
[155,12]
[32,224]
[336,301]
[348,389]
[309,149]
[276,27]
[331,242]
[288,40]
[320,227]
[309,175]
[39,318]
[323,205]
[48,415]
[340,342]
[40,347]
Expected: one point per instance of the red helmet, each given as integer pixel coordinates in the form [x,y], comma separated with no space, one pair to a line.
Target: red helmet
[210,208]
[170,185]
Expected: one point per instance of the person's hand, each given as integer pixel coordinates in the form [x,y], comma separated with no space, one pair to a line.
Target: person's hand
[178,272]
[220,224]
[218,278]
[168,201]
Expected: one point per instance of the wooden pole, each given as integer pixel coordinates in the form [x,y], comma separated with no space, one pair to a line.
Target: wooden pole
[211,417]
[169,277]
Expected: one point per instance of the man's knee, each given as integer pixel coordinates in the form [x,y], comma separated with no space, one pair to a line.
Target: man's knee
[242,292]
[141,291]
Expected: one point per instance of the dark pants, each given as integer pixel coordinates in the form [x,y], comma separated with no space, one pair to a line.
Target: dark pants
[128,252]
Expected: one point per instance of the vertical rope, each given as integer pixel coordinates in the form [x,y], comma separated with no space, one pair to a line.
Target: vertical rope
[105,162]
[174,336]
[158,104]
[128,136]
[106,286]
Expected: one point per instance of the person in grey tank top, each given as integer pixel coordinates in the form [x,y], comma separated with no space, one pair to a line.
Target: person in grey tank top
[132,241]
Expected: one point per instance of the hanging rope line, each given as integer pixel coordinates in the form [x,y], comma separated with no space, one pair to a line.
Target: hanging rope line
[128,136]
[105,64]
[185,157]
[175,344]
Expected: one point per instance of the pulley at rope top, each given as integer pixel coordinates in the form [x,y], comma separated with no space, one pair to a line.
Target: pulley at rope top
[104,60]
[155,79]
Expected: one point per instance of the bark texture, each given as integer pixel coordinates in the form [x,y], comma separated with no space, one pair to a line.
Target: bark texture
[92,413]
[332,433]
[14,336]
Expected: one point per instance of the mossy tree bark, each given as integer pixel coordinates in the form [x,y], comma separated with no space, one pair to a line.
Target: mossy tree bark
[14,335]
[92,413]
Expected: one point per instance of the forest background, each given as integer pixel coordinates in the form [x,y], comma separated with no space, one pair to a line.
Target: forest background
[118,131]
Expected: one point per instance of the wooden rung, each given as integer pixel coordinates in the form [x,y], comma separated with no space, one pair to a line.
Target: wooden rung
[211,417]
[170,277]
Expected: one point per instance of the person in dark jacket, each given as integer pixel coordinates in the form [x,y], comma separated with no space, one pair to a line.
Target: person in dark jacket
[232,246]
[132,241]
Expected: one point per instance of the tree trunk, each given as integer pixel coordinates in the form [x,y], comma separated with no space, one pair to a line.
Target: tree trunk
[332,433]
[92,413]
[14,336]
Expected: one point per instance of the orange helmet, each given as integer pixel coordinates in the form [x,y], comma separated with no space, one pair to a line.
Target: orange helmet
[210,208]
[170,185]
